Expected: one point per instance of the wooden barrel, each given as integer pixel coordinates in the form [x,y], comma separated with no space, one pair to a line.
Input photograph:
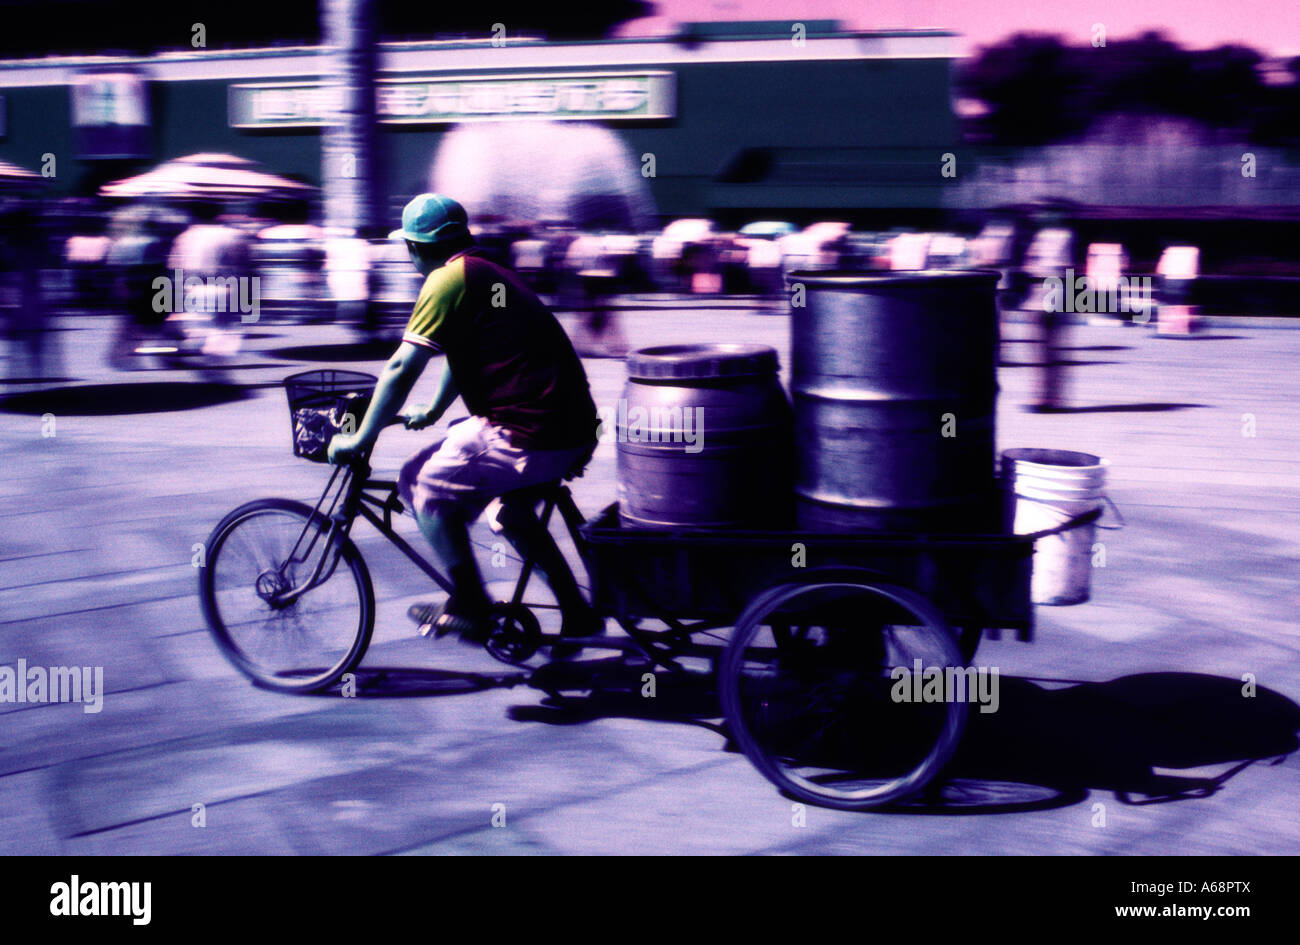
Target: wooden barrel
[704,439]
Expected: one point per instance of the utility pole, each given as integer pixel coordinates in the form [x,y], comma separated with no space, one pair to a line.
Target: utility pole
[350,174]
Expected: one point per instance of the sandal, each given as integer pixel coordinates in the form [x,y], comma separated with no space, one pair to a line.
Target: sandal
[438,620]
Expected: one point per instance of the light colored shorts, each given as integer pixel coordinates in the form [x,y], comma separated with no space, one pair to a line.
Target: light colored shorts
[474,464]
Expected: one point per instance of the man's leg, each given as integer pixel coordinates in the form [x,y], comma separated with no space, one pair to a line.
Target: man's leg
[535,543]
[438,485]
[446,526]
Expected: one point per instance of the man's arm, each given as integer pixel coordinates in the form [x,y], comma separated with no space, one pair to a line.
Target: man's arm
[395,382]
[446,396]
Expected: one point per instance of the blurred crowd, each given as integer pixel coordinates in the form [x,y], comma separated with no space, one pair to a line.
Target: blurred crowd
[97,256]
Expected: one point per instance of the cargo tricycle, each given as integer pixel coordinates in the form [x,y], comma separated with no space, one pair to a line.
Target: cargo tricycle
[842,661]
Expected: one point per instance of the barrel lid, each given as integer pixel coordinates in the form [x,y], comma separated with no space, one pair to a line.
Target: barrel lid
[695,362]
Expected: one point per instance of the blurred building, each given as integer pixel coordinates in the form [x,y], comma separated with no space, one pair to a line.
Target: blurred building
[734,121]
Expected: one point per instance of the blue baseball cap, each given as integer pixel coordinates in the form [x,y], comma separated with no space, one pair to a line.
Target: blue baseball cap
[432,218]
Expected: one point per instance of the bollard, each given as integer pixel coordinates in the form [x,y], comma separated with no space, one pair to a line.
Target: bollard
[1175,316]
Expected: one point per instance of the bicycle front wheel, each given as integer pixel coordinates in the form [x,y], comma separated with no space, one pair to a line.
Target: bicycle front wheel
[259,551]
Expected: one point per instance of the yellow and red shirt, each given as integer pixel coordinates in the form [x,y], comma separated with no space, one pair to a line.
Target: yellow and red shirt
[509,357]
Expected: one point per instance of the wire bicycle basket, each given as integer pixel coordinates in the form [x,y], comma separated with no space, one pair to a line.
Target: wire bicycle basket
[324,403]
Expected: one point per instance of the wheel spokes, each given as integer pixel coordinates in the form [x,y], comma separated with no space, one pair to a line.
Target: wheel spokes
[818,701]
[304,639]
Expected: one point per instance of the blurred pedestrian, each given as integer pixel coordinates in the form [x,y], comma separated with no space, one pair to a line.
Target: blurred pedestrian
[137,257]
[598,332]
[1049,256]
[290,260]
[82,225]
[349,273]
[24,255]
[213,248]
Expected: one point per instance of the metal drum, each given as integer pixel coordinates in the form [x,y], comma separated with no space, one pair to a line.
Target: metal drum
[894,383]
[704,439]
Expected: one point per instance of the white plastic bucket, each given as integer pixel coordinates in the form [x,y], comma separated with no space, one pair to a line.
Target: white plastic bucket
[1052,487]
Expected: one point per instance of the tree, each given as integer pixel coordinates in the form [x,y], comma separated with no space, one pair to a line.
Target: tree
[1037,90]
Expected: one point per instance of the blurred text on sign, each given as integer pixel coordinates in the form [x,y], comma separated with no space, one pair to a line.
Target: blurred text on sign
[446,100]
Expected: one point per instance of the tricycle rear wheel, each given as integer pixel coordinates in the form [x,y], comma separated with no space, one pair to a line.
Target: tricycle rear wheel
[816,686]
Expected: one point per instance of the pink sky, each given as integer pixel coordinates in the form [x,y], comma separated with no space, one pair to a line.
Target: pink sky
[1272,26]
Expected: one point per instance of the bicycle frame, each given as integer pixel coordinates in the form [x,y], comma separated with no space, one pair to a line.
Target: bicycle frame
[353,496]
[352,493]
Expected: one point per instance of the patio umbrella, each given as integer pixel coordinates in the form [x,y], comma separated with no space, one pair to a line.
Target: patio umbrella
[203,176]
[13,177]
[11,170]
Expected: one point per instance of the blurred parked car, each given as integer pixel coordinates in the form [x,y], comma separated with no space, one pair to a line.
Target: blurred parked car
[684,250]
[818,246]
[753,257]
[866,251]
[909,251]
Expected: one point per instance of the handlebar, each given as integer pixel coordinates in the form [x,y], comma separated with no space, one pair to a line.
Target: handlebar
[362,461]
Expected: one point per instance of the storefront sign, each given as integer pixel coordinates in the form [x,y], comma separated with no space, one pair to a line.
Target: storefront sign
[590,96]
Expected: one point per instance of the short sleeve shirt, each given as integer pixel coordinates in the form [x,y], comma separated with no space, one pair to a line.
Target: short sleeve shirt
[509,357]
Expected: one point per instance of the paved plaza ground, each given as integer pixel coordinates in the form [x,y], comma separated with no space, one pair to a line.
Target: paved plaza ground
[1122,728]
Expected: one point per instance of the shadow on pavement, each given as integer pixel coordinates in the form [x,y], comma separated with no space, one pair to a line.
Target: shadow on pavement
[1197,337]
[1043,748]
[1119,408]
[612,688]
[384,682]
[100,400]
[1112,736]
[380,350]
[1041,364]
[37,380]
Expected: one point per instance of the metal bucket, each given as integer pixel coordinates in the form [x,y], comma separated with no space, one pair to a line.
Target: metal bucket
[703,439]
[894,383]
